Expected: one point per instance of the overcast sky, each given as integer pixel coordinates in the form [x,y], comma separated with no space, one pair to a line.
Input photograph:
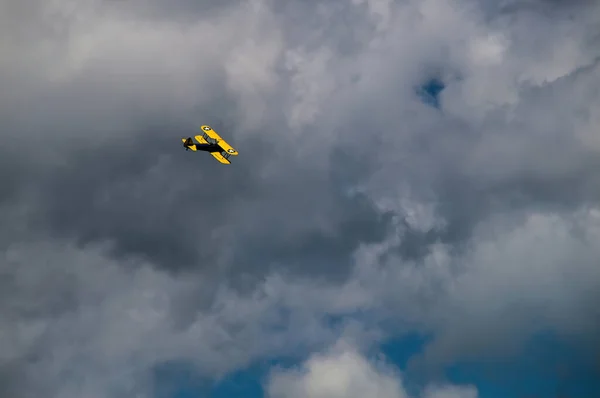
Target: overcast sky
[355,212]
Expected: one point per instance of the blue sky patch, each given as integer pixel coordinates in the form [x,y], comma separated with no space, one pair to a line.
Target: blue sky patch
[549,367]
[430,92]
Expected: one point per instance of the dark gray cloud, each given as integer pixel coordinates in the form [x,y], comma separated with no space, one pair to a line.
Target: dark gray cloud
[148,197]
[119,175]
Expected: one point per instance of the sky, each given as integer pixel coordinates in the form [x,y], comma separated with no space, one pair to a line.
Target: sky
[414,212]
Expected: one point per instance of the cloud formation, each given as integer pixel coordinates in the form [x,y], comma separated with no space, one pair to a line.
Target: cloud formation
[475,223]
[344,372]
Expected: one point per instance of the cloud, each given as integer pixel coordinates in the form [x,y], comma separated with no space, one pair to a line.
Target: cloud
[351,199]
[345,372]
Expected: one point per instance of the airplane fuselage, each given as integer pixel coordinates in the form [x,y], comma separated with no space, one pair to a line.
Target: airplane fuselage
[208,147]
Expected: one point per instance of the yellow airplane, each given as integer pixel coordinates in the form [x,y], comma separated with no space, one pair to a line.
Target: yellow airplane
[210,141]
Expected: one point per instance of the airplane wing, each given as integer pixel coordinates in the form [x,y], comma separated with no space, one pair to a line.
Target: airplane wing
[220,158]
[201,139]
[212,137]
[227,148]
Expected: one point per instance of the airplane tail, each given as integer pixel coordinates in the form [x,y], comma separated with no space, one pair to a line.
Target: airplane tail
[187,143]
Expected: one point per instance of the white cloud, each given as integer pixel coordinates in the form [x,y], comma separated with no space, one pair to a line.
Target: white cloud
[513,281]
[344,372]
